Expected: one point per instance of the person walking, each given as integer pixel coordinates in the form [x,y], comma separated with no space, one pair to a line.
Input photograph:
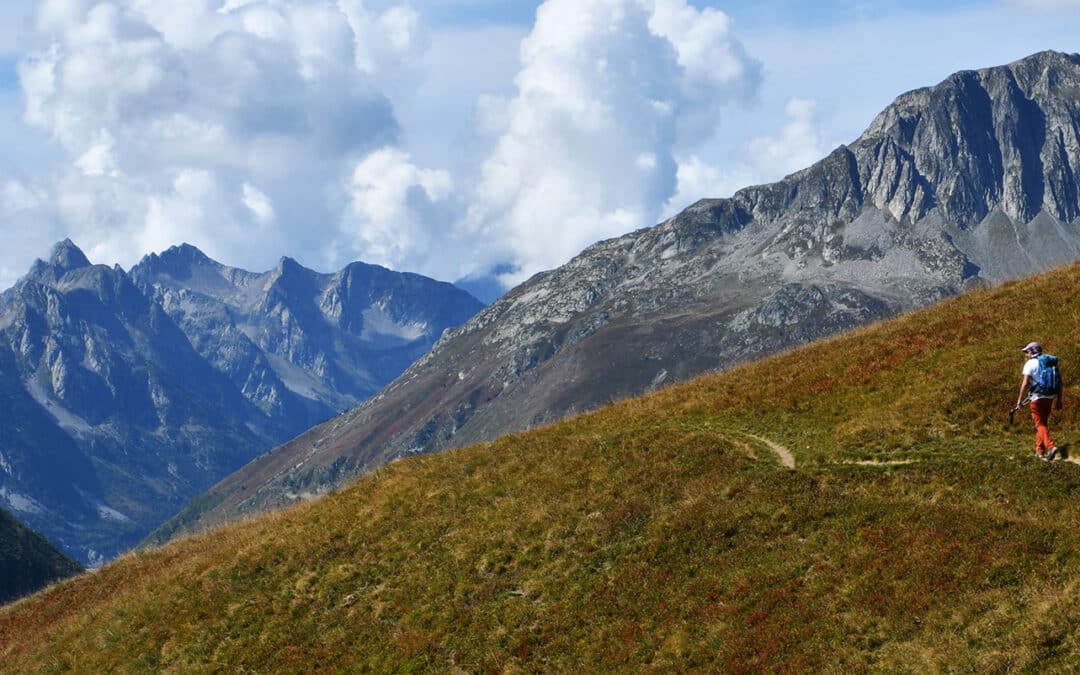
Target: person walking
[1043,380]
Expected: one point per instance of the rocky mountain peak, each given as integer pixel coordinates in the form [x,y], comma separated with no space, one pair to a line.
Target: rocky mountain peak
[185,251]
[178,262]
[289,271]
[289,265]
[66,256]
[1002,138]
[184,254]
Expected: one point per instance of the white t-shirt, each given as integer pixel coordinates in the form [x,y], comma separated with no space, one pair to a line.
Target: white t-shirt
[1031,369]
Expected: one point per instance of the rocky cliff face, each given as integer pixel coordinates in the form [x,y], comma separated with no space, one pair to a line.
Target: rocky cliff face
[300,344]
[970,182]
[127,394]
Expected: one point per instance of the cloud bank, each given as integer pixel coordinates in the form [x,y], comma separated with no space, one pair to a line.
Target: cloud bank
[608,91]
[258,128]
[230,126]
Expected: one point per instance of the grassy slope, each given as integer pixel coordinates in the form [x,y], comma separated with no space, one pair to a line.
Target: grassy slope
[653,533]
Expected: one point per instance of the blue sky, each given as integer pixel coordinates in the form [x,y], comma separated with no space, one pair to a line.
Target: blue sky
[749,13]
[445,137]
[9,80]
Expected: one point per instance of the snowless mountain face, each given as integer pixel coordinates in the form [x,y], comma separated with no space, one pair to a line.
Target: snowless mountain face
[298,343]
[970,182]
[127,394]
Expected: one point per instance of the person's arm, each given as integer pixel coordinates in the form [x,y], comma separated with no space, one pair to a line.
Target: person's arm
[1060,394]
[1023,387]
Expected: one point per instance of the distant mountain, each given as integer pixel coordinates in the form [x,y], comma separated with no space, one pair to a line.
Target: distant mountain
[967,183]
[298,343]
[127,394]
[27,561]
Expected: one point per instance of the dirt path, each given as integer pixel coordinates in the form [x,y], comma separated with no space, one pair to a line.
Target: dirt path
[786,458]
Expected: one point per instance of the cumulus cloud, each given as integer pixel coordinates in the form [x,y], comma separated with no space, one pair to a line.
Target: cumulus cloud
[762,159]
[395,208]
[229,125]
[256,128]
[697,179]
[608,90]
[801,143]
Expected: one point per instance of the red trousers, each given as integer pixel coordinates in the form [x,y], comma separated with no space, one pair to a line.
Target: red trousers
[1040,412]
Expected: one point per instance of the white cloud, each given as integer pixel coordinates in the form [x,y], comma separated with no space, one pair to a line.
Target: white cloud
[715,67]
[763,159]
[98,160]
[259,204]
[697,179]
[801,143]
[399,214]
[256,128]
[607,91]
[197,122]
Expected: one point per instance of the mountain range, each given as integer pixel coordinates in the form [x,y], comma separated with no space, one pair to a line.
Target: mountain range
[129,392]
[968,183]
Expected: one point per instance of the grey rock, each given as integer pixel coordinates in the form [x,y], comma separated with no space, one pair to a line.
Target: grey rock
[298,343]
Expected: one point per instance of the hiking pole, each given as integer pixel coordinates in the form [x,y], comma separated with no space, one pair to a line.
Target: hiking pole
[1027,399]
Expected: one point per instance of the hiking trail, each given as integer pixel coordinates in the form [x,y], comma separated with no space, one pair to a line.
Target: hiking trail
[786,458]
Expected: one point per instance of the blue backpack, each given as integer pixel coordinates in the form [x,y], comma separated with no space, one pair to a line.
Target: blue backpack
[1047,381]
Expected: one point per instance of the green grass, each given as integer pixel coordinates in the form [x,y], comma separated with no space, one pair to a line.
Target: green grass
[655,535]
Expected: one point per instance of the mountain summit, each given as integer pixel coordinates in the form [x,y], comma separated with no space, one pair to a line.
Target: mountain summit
[966,183]
[66,256]
[125,394]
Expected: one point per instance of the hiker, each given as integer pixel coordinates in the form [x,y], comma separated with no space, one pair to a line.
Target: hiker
[1042,379]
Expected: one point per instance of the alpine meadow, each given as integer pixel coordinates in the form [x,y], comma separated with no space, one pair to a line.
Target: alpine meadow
[916,532]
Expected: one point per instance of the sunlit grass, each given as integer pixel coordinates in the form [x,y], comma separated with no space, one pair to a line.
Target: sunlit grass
[654,534]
